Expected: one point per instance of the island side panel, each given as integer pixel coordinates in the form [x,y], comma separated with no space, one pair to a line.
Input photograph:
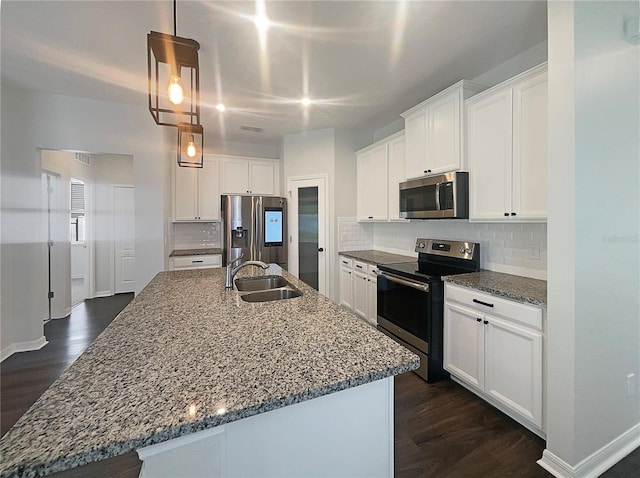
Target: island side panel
[348,433]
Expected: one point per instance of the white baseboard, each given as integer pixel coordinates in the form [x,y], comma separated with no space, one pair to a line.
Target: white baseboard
[103,293]
[596,463]
[27,346]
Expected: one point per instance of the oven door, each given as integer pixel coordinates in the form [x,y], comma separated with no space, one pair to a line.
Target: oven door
[403,309]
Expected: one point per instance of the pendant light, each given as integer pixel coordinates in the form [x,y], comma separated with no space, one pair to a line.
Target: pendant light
[190,145]
[174,77]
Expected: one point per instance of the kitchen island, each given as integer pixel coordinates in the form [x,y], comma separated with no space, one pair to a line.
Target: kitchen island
[187,358]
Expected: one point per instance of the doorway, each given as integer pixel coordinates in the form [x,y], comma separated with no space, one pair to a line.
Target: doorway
[89,226]
[308,225]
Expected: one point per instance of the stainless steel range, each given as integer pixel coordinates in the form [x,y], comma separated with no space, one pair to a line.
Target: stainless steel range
[411,296]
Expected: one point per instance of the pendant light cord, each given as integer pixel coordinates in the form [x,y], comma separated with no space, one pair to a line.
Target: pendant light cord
[175,30]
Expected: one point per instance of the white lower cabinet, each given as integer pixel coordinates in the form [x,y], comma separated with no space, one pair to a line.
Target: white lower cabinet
[495,347]
[346,282]
[207,261]
[358,288]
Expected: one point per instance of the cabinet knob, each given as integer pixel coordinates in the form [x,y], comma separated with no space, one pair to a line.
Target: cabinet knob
[513,213]
[478,319]
[506,213]
[486,322]
[321,249]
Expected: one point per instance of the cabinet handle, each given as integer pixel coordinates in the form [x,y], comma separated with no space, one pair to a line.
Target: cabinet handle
[196,262]
[513,213]
[359,267]
[427,171]
[344,262]
[506,214]
[486,322]
[370,217]
[482,303]
[478,319]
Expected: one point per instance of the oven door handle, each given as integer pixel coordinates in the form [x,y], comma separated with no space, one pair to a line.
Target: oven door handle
[399,280]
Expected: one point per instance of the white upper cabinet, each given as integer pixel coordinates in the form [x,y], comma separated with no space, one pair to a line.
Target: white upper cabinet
[396,148]
[380,168]
[196,192]
[434,132]
[507,150]
[249,176]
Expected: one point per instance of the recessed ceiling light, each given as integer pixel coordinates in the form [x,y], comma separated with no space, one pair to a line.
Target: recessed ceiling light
[261,21]
[306,101]
[220,107]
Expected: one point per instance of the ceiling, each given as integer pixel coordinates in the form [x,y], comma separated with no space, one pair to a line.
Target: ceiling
[363,63]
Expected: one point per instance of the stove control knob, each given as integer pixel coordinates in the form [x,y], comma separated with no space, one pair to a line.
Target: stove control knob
[462,251]
[421,245]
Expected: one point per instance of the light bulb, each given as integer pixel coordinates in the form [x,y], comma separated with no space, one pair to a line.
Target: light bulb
[176,95]
[306,101]
[191,147]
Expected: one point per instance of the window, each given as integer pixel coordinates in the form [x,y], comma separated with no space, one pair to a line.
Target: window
[77,211]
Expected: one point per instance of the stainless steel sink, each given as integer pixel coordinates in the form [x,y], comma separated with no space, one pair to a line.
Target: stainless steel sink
[269,295]
[249,284]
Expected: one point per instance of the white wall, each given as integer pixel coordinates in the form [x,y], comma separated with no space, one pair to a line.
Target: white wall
[327,152]
[594,260]
[34,120]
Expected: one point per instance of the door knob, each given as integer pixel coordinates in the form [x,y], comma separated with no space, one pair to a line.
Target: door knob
[321,249]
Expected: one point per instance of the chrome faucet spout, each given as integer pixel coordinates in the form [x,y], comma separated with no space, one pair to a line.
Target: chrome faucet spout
[232,271]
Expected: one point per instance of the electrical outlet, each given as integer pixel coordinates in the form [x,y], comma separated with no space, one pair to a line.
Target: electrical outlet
[631,385]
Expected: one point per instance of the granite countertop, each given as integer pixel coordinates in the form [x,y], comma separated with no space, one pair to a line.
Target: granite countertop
[183,350]
[523,289]
[377,257]
[195,252]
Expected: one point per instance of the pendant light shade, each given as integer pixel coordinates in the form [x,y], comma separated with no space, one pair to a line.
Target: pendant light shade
[174,79]
[190,145]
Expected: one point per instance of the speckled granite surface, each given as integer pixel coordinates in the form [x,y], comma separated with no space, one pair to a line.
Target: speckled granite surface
[523,289]
[377,257]
[195,252]
[185,348]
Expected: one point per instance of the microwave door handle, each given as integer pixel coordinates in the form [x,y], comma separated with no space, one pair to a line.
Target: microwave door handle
[415,285]
[438,196]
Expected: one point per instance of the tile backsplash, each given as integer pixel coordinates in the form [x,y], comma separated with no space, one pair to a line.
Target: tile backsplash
[195,235]
[354,235]
[519,249]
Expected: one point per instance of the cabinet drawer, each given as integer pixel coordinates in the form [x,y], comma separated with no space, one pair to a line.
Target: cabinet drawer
[360,266]
[346,262]
[528,315]
[196,262]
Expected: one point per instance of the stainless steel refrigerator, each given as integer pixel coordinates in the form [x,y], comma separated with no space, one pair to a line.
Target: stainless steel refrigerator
[255,226]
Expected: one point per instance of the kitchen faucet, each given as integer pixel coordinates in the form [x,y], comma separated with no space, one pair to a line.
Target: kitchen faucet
[232,271]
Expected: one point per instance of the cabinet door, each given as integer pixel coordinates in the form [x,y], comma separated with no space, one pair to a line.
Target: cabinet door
[464,344]
[185,193]
[346,287]
[360,294]
[396,176]
[443,138]
[364,185]
[378,198]
[415,131]
[262,178]
[489,152]
[372,299]
[530,148]
[513,367]
[209,190]
[235,176]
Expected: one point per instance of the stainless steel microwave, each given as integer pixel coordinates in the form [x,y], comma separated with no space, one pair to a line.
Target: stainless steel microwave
[443,196]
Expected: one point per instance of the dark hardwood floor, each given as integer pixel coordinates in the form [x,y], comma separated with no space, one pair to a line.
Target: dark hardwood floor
[441,430]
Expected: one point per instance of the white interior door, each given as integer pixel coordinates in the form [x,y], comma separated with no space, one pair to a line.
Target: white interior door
[124,239]
[308,244]
[56,209]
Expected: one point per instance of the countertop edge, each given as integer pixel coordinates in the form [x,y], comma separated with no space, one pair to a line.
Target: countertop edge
[526,299]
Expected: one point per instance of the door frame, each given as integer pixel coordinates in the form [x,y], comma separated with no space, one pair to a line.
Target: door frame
[112,216]
[321,180]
